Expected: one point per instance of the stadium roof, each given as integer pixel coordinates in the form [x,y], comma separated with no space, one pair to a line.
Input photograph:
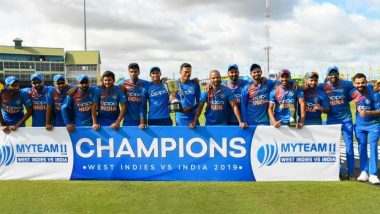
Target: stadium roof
[32,51]
[82,58]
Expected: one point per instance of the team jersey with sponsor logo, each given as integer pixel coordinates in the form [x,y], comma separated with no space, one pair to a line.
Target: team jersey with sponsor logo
[55,99]
[313,96]
[254,102]
[285,99]
[80,104]
[188,94]
[108,100]
[39,102]
[236,88]
[369,101]
[13,105]
[338,100]
[158,98]
[217,102]
[133,95]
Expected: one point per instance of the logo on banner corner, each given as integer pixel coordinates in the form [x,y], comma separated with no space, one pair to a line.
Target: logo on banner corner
[268,154]
[7,154]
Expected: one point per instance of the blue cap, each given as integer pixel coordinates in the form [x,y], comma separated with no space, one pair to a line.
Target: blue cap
[38,76]
[232,66]
[332,69]
[58,77]
[82,77]
[10,80]
[284,72]
[155,68]
[312,74]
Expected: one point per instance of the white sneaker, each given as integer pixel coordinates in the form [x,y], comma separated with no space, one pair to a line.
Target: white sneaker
[373,179]
[363,176]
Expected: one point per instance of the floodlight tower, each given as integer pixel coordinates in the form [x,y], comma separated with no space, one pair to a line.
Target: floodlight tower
[267,27]
[85,25]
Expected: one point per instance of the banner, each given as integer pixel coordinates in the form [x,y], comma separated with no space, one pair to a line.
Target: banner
[211,153]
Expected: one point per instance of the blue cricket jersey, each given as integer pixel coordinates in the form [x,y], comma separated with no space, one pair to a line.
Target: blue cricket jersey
[55,100]
[313,96]
[158,98]
[366,101]
[133,95]
[217,103]
[284,99]
[80,105]
[236,88]
[188,94]
[39,102]
[338,100]
[12,106]
[254,102]
[108,100]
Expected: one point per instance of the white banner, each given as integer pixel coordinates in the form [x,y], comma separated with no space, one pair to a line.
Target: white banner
[36,154]
[290,154]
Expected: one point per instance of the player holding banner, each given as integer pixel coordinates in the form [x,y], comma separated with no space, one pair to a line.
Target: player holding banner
[55,99]
[107,99]
[316,100]
[254,98]
[283,101]
[12,103]
[236,85]
[367,127]
[218,97]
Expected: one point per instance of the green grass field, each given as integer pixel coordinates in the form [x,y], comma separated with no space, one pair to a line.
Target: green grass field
[187,197]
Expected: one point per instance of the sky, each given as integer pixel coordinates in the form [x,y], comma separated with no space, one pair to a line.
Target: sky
[305,35]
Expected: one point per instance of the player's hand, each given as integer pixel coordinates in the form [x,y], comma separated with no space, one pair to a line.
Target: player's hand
[192,125]
[13,128]
[142,126]
[243,125]
[195,79]
[299,125]
[6,129]
[362,112]
[277,124]
[263,79]
[186,109]
[208,88]
[49,127]
[70,127]
[96,127]
[172,97]
[115,126]
[318,107]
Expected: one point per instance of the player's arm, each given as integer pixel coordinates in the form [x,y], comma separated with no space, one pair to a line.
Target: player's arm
[235,108]
[302,106]
[49,110]
[4,126]
[271,115]
[29,111]
[197,114]
[65,110]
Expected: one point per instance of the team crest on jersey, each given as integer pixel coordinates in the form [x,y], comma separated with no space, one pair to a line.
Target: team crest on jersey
[265,87]
[18,102]
[222,95]
[114,97]
[366,101]
[291,93]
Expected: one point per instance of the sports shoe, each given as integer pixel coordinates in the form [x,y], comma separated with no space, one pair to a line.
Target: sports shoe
[351,177]
[373,179]
[363,176]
